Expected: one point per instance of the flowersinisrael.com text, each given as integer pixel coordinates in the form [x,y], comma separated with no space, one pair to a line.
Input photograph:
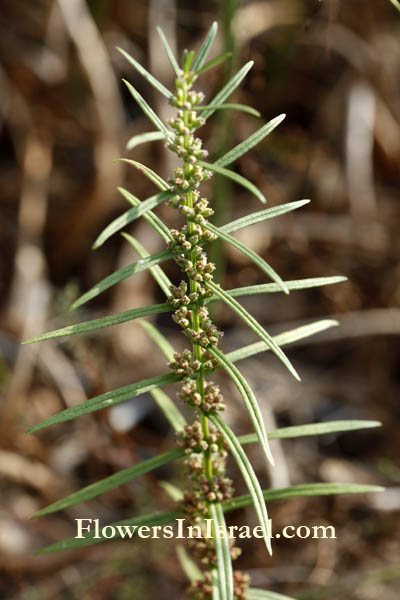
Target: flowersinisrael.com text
[92,528]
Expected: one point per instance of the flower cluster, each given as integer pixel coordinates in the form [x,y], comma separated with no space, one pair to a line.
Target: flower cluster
[184,364]
[210,400]
[192,439]
[204,550]
[202,588]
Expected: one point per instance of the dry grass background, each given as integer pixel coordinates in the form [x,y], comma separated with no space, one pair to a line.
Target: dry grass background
[334,67]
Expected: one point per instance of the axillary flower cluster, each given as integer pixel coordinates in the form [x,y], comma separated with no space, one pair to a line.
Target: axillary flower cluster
[205,449]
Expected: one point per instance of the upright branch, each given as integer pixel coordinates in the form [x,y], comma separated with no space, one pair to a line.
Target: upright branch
[205,449]
[206,441]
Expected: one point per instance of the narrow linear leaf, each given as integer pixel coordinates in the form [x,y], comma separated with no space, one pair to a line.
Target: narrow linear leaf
[149,173]
[142,138]
[188,57]
[169,409]
[168,51]
[221,542]
[122,477]
[240,107]
[270,288]
[164,402]
[249,253]
[287,337]
[248,474]
[228,88]
[254,325]
[160,277]
[189,567]
[173,492]
[396,4]
[141,265]
[311,489]
[148,76]
[131,215]
[95,324]
[149,216]
[311,429]
[148,111]
[214,62]
[249,142]
[121,528]
[109,483]
[248,398]
[239,179]
[262,215]
[159,339]
[166,255]
[107,400]
[205,47]
[256,594]
[215,585]
[305,489]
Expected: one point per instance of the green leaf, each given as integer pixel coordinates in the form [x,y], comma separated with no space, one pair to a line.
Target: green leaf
[169,409]
[311,489]
[148,76]
[249,142]
[240,107]
[109,483]
[95,324]
[164,402]
[173,492]
[228,88]
[149,173]
[187,60]
[270,288]
[214,62]
[107,400]
[165,255]
[92,491]
[161,278]
[148,111]
[189,567]
[396,4]
[159,339]
[310,429]
[215,585]
[282,339]
[255,594]
[248,474]
[168,51]
[239,179]
[304,489]
[149,216]
[144,520]
[141,265]
[224,563]
[142,138]
[131,215]
[205,48]
[249,253]
[262,215]
[254,325]
[248,398]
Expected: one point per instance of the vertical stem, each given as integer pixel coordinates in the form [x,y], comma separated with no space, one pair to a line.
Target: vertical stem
[197,351]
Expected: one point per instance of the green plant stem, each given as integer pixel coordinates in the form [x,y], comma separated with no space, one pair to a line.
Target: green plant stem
[197,353]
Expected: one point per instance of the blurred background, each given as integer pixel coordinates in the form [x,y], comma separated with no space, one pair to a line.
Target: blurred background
[333,66]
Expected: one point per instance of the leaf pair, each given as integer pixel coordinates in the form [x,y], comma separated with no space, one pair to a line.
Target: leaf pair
[304,490]
[121,477]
